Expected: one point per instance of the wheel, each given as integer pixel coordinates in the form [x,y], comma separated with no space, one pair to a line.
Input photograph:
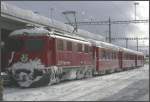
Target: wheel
[88,74]
[79,74]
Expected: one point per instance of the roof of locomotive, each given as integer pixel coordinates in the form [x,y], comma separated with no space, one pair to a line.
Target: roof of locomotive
[30,32]
[35,31]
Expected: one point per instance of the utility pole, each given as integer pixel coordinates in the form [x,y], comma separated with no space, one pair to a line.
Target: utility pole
[109,30]
[74,24]
[136,3]
[51,14]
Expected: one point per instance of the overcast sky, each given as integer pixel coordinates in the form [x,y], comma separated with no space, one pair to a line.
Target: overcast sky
[98,11]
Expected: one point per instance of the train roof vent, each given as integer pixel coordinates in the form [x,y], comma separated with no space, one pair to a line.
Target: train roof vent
[29,26]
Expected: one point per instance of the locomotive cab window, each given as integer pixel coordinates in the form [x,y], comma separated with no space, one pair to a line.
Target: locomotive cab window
[34,44]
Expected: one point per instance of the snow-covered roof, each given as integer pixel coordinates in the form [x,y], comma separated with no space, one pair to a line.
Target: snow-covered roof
[44,32]
[32,32]
[131,51]
[102,44]
[39,19]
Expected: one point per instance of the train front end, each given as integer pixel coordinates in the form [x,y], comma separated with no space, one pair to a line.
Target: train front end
[27,57]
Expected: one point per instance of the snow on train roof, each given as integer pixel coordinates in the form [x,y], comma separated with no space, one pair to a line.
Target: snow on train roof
[31,32]
[131,51]
[32,17]
[44,32]
[102,44]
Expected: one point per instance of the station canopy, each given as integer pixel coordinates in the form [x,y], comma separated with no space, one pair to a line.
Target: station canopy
[39,20]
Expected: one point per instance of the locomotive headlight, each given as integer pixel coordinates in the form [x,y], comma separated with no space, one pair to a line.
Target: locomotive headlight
[24,58]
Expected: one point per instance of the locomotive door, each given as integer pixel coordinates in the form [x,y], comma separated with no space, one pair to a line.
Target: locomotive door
[97,58]
[94,57]
[51,52]
[120,59]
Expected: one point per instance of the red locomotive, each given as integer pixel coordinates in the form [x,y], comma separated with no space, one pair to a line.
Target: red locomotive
[40,56]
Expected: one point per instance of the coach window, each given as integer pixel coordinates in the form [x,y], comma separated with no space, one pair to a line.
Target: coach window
[69,46]
[114,55]
[111,55]
[103,54]
[90,49]
[106,55]
[126,56]
[60,45]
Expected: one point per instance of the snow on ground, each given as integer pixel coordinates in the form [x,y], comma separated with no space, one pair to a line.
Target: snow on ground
[93,89]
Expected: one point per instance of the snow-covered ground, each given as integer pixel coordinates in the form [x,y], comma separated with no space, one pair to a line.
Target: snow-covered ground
[129,85]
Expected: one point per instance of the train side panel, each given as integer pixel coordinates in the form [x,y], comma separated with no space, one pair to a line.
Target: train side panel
[107,60]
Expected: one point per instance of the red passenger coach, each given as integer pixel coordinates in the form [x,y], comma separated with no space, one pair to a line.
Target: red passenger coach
[128,59]
[139,60]
[107,59]
[131,59]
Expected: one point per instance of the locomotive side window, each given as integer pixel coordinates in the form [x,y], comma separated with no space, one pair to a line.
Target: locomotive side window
[69,46]
[79,46]
[86,49]
[60,45]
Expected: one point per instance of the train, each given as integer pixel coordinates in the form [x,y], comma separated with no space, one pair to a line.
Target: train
[41,56]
